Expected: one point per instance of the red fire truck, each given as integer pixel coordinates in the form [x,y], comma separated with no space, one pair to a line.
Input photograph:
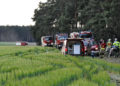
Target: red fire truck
[74,35]
[59,39]
[47,41]
[87,35]
[89,42]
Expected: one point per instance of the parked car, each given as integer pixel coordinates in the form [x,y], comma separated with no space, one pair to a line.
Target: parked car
[73,47]
[47,41]
[23,43]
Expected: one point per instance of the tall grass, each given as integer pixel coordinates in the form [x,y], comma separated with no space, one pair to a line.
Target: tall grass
[59,77]
[43,66]
[83,82]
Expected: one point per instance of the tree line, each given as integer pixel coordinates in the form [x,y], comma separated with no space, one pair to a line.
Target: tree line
[99,16]
[15,33]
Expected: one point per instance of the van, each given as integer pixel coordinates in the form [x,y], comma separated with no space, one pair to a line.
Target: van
[73,47]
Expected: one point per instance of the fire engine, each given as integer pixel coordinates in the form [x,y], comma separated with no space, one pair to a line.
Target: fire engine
[87,35]
[74,35]
[89,42]
[47,41]
[59,39]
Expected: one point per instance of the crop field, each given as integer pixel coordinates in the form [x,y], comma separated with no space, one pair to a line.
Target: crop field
[43,66]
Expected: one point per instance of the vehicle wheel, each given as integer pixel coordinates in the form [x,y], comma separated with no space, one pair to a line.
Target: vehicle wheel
[97,55]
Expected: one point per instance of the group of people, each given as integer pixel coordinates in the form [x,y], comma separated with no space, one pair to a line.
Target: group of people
[109,46]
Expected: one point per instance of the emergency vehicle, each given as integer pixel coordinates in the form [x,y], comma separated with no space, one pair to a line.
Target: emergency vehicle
[87,35]
[73,46]
[74,35]
[59,39]
[47,41]
[89,42]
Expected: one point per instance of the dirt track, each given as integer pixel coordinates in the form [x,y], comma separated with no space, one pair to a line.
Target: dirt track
[113,60]
[32,44]
[114,77]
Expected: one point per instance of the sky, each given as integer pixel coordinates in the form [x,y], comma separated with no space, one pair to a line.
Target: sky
[18,12]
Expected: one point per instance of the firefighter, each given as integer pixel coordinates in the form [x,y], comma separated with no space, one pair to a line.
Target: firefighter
[109,45]
[102,45]
[102,48]
[116,46]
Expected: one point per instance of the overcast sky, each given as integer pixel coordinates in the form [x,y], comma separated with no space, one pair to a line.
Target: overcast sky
[17,12]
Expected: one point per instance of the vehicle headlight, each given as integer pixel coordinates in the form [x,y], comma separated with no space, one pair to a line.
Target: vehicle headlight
[96,48]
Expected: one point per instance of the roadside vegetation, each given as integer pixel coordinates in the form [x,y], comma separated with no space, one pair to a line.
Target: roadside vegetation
[43,66]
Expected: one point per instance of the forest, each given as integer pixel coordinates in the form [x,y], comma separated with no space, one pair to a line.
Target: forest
[15,33]
[57,16]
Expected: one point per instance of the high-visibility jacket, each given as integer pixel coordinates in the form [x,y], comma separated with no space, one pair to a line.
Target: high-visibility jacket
[117,44]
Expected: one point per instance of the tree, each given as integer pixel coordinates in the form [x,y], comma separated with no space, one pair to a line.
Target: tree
[43,20]
[56,16]
[100,16]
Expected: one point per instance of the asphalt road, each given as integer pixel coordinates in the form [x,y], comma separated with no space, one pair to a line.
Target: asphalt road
[32,44]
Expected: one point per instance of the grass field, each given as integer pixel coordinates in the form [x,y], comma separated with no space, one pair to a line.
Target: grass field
[7,43]
[39,66]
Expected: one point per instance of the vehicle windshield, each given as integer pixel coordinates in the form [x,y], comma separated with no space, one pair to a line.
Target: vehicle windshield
[93,43]
[85,43]
[62,37]
[86,35]
[48,38]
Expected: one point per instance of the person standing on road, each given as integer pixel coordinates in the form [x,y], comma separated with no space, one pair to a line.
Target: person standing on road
[109,45]
[116,46]
[102,45]
[102,48]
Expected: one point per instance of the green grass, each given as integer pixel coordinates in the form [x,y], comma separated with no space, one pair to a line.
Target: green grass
[43,66]
[7,43]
